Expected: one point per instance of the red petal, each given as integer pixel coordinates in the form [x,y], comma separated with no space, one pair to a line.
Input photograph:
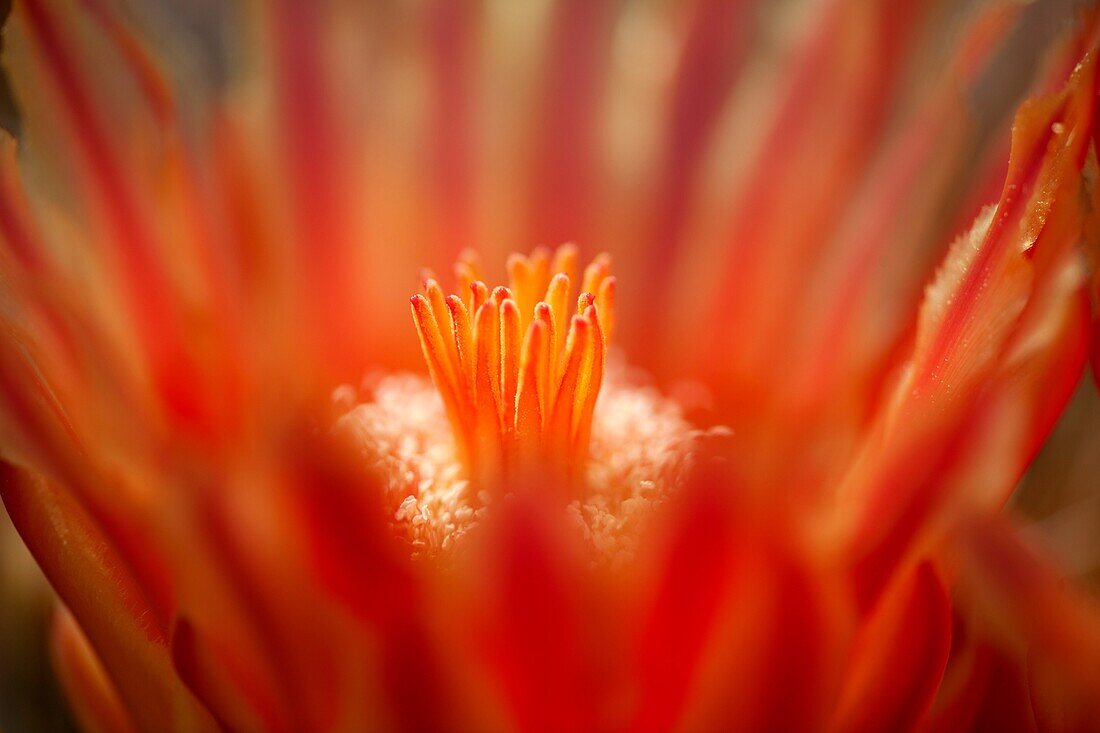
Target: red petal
[1018,598]
[533,625]
[1002,323]
[899,657]
[694,578]
[741,633]
[239,698]
[356,557]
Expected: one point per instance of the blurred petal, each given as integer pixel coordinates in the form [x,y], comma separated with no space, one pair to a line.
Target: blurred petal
[96,704]
[1018,596]
[113,611]
[899,656]
[1013,278]
[532,625]
[741,632]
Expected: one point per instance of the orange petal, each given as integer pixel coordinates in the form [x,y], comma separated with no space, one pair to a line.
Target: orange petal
[111,607]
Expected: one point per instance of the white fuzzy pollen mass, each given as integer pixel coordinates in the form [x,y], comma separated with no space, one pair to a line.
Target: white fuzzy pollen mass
[641,447]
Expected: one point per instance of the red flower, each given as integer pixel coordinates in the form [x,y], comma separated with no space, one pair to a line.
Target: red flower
[794,522]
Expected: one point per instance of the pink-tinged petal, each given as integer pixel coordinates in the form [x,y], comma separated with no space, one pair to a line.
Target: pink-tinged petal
[112,608]
[64,374]
[839,326]
[1056,68]
[899,657]
[150,81]
[347,535]
[46,435]
[16,226]
[310,672]
[320,196]
[194,237]
[794,673]
[91,694]
[849,297]
[47,440]
[1057,707]
[231,619]
[979,460]
[1005,705]
[146,231]
[225,637]
[366,660]
[1042,366]
[960,693]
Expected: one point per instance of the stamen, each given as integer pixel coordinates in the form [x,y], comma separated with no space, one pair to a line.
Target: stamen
[595,273]
[479,293]
[431,343]
[464,340]
[529,406]
[587,397]
[557,297]
[519,376]
[543,316]
[487,391]
[510,354]
[565,261]
[605,304]
[561,414]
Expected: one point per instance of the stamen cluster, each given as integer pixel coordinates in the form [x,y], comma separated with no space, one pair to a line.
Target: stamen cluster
[518,375]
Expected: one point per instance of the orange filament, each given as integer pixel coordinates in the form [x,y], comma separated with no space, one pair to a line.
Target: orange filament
[519,375]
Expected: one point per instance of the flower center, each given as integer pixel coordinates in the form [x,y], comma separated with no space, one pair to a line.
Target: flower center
[519,376]
[512,406]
